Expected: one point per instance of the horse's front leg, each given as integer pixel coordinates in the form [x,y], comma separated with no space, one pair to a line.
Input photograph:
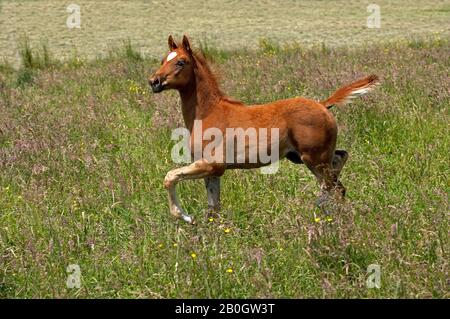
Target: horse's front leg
[199,169]
[212,184]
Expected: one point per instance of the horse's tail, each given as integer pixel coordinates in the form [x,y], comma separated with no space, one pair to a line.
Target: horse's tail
[343,95]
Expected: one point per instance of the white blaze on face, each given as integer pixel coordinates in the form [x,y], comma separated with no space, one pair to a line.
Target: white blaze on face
[171,56]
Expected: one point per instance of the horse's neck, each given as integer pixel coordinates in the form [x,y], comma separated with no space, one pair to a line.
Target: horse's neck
[189,107]
[198,99]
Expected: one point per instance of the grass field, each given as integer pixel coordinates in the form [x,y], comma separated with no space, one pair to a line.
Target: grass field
[84,148]
[228,24]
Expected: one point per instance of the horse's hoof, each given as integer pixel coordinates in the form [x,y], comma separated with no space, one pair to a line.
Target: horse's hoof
[324,204]
[211,213]
[321,201]
[326,211]
[189,219]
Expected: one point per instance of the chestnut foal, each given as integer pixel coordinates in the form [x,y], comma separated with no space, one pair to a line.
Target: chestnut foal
[307,129]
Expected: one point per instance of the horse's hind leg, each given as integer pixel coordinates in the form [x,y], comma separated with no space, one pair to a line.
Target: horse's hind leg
[325,173]
[339,159]
[212,184]
[294,157]
[338,162]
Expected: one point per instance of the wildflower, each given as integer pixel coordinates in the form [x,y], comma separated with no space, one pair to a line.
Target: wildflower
[160,246]
[227,230]
[328,219]
[281,248]
[229,270]
[175,245]
[211,219]
[317,219]
[193,255]
[134,87]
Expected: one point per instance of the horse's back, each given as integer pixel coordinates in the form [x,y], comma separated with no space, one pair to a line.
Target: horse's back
[308,124]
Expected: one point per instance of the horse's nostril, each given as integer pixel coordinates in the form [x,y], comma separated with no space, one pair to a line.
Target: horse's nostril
[154,81]
[156,84]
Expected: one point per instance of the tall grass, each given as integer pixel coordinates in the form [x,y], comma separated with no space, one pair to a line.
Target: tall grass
[32,60]
[84,150]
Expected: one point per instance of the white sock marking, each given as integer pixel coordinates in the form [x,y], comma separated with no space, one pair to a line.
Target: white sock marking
[187,218]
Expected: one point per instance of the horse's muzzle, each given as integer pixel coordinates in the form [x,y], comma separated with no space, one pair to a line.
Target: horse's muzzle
[156,84]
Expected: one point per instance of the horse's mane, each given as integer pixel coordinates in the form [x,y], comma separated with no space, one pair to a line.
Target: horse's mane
[211,77]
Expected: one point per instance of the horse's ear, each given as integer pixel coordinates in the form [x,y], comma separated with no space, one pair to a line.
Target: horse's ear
[172,43]
[186,44]
[187,47]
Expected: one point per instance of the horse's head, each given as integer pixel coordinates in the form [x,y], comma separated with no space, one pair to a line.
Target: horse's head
[177,67]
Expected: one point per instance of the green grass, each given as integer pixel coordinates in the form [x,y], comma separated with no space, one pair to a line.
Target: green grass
[84,148]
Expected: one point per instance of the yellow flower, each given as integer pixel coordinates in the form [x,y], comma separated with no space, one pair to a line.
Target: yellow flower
[229,270]
[211,219]
[175,245]
[160,246]
[317,219]
[328,219]
[193,255]
[281,248]
[227,230]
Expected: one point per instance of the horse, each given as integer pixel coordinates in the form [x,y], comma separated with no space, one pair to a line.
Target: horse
[307,129]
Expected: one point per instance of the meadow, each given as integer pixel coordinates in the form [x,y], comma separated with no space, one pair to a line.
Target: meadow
[85,146]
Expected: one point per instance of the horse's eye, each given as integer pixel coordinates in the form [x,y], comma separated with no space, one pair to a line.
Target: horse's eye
[180,63]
